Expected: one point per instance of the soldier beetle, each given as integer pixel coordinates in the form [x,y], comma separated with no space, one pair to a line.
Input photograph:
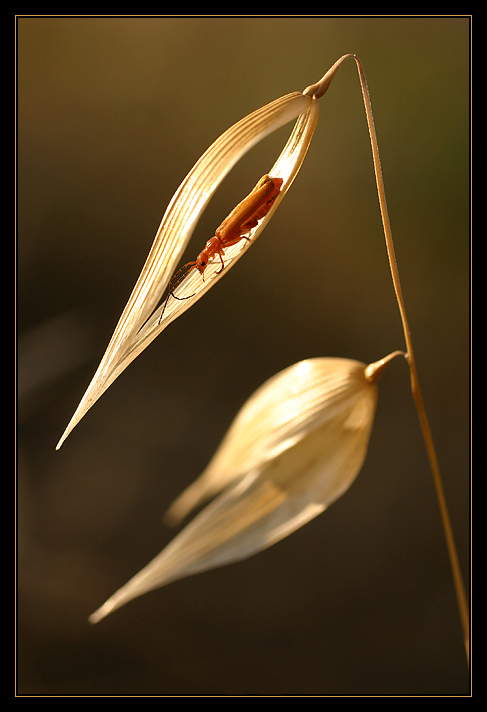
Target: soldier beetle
[234,228]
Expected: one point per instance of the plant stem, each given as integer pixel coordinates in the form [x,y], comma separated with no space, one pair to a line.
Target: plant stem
[416,391]
[318,90]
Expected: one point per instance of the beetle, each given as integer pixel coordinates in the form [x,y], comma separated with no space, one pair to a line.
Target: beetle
[243,218]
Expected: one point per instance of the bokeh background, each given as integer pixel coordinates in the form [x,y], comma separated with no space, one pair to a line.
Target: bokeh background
[112,114]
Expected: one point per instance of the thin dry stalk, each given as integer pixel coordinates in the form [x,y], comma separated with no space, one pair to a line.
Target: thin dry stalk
[317,90]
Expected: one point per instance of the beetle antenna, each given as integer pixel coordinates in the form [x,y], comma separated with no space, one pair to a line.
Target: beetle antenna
[174,283]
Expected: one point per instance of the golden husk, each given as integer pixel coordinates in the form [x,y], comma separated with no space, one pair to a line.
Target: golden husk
[141,320]
[293,449]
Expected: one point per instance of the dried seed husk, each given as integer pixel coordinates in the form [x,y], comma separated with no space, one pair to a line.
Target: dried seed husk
[293,449]
[141,321]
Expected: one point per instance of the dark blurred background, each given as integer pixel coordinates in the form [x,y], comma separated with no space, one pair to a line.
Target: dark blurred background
[112,114]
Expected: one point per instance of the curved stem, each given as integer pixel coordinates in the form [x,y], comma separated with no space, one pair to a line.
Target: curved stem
[416,391]
[318,90]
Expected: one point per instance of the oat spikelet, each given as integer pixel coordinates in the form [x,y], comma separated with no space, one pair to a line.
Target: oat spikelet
[296,445]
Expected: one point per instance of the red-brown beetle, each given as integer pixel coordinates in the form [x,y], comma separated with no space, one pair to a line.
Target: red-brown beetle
[234,228]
